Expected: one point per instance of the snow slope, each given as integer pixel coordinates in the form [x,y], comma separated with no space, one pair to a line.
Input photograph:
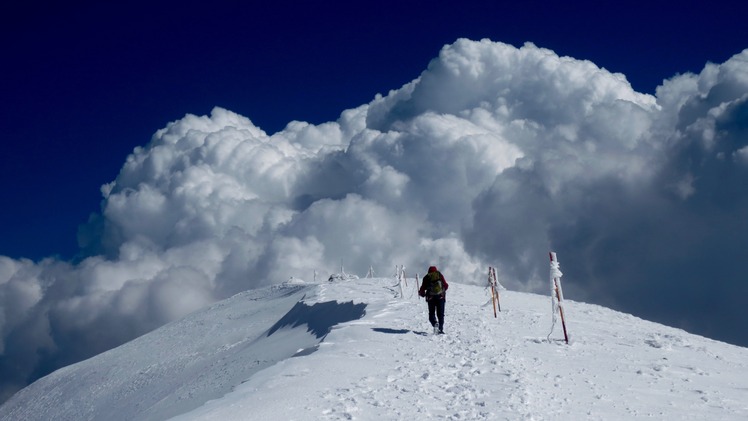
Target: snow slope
[258,356]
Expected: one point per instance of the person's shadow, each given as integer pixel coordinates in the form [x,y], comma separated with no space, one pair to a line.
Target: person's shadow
[396,331]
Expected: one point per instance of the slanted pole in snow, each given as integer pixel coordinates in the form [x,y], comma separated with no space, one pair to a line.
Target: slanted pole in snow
[557,294]
[497,287]
[493,283]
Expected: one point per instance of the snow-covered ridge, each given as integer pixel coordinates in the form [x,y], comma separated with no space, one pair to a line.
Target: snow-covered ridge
[258,355]
[183,364]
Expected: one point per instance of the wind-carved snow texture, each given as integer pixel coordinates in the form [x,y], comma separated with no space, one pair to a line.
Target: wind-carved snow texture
[387,365]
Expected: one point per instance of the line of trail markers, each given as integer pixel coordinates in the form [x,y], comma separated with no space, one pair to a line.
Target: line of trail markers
[494,284]
[557,295]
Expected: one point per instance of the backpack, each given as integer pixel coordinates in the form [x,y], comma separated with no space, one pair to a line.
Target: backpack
[435,285]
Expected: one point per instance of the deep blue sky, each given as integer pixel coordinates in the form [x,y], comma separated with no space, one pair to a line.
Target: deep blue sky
[84,84]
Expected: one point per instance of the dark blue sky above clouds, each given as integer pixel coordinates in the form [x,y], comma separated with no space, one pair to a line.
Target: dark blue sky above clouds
[85,83]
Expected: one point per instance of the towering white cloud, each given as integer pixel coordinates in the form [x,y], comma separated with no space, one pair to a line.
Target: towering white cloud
[493,155]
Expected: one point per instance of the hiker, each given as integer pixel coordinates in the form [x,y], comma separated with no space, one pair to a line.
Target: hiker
[434,288]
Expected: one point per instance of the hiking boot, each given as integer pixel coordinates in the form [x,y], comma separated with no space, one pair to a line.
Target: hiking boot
[436,330]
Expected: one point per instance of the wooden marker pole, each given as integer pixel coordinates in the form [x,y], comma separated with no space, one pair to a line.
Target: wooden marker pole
[558,292]
[493,291]
[496,288]
[494,284]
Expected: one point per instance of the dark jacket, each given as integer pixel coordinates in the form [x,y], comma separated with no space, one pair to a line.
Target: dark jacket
[426,283]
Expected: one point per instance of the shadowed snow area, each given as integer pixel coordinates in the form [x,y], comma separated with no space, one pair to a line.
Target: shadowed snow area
[320,317]
[184,364]
[376,359]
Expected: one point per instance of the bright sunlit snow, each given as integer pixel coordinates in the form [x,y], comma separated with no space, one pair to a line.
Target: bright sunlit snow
[258,356]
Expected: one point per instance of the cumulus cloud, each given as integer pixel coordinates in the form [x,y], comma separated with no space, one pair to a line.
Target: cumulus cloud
[494,155]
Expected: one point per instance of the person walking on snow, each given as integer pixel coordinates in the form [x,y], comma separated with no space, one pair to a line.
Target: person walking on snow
[434,288]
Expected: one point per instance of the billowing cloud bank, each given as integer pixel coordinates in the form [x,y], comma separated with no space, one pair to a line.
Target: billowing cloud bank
[494,155]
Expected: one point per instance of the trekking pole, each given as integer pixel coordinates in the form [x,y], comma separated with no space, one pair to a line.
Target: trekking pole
[556,288]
